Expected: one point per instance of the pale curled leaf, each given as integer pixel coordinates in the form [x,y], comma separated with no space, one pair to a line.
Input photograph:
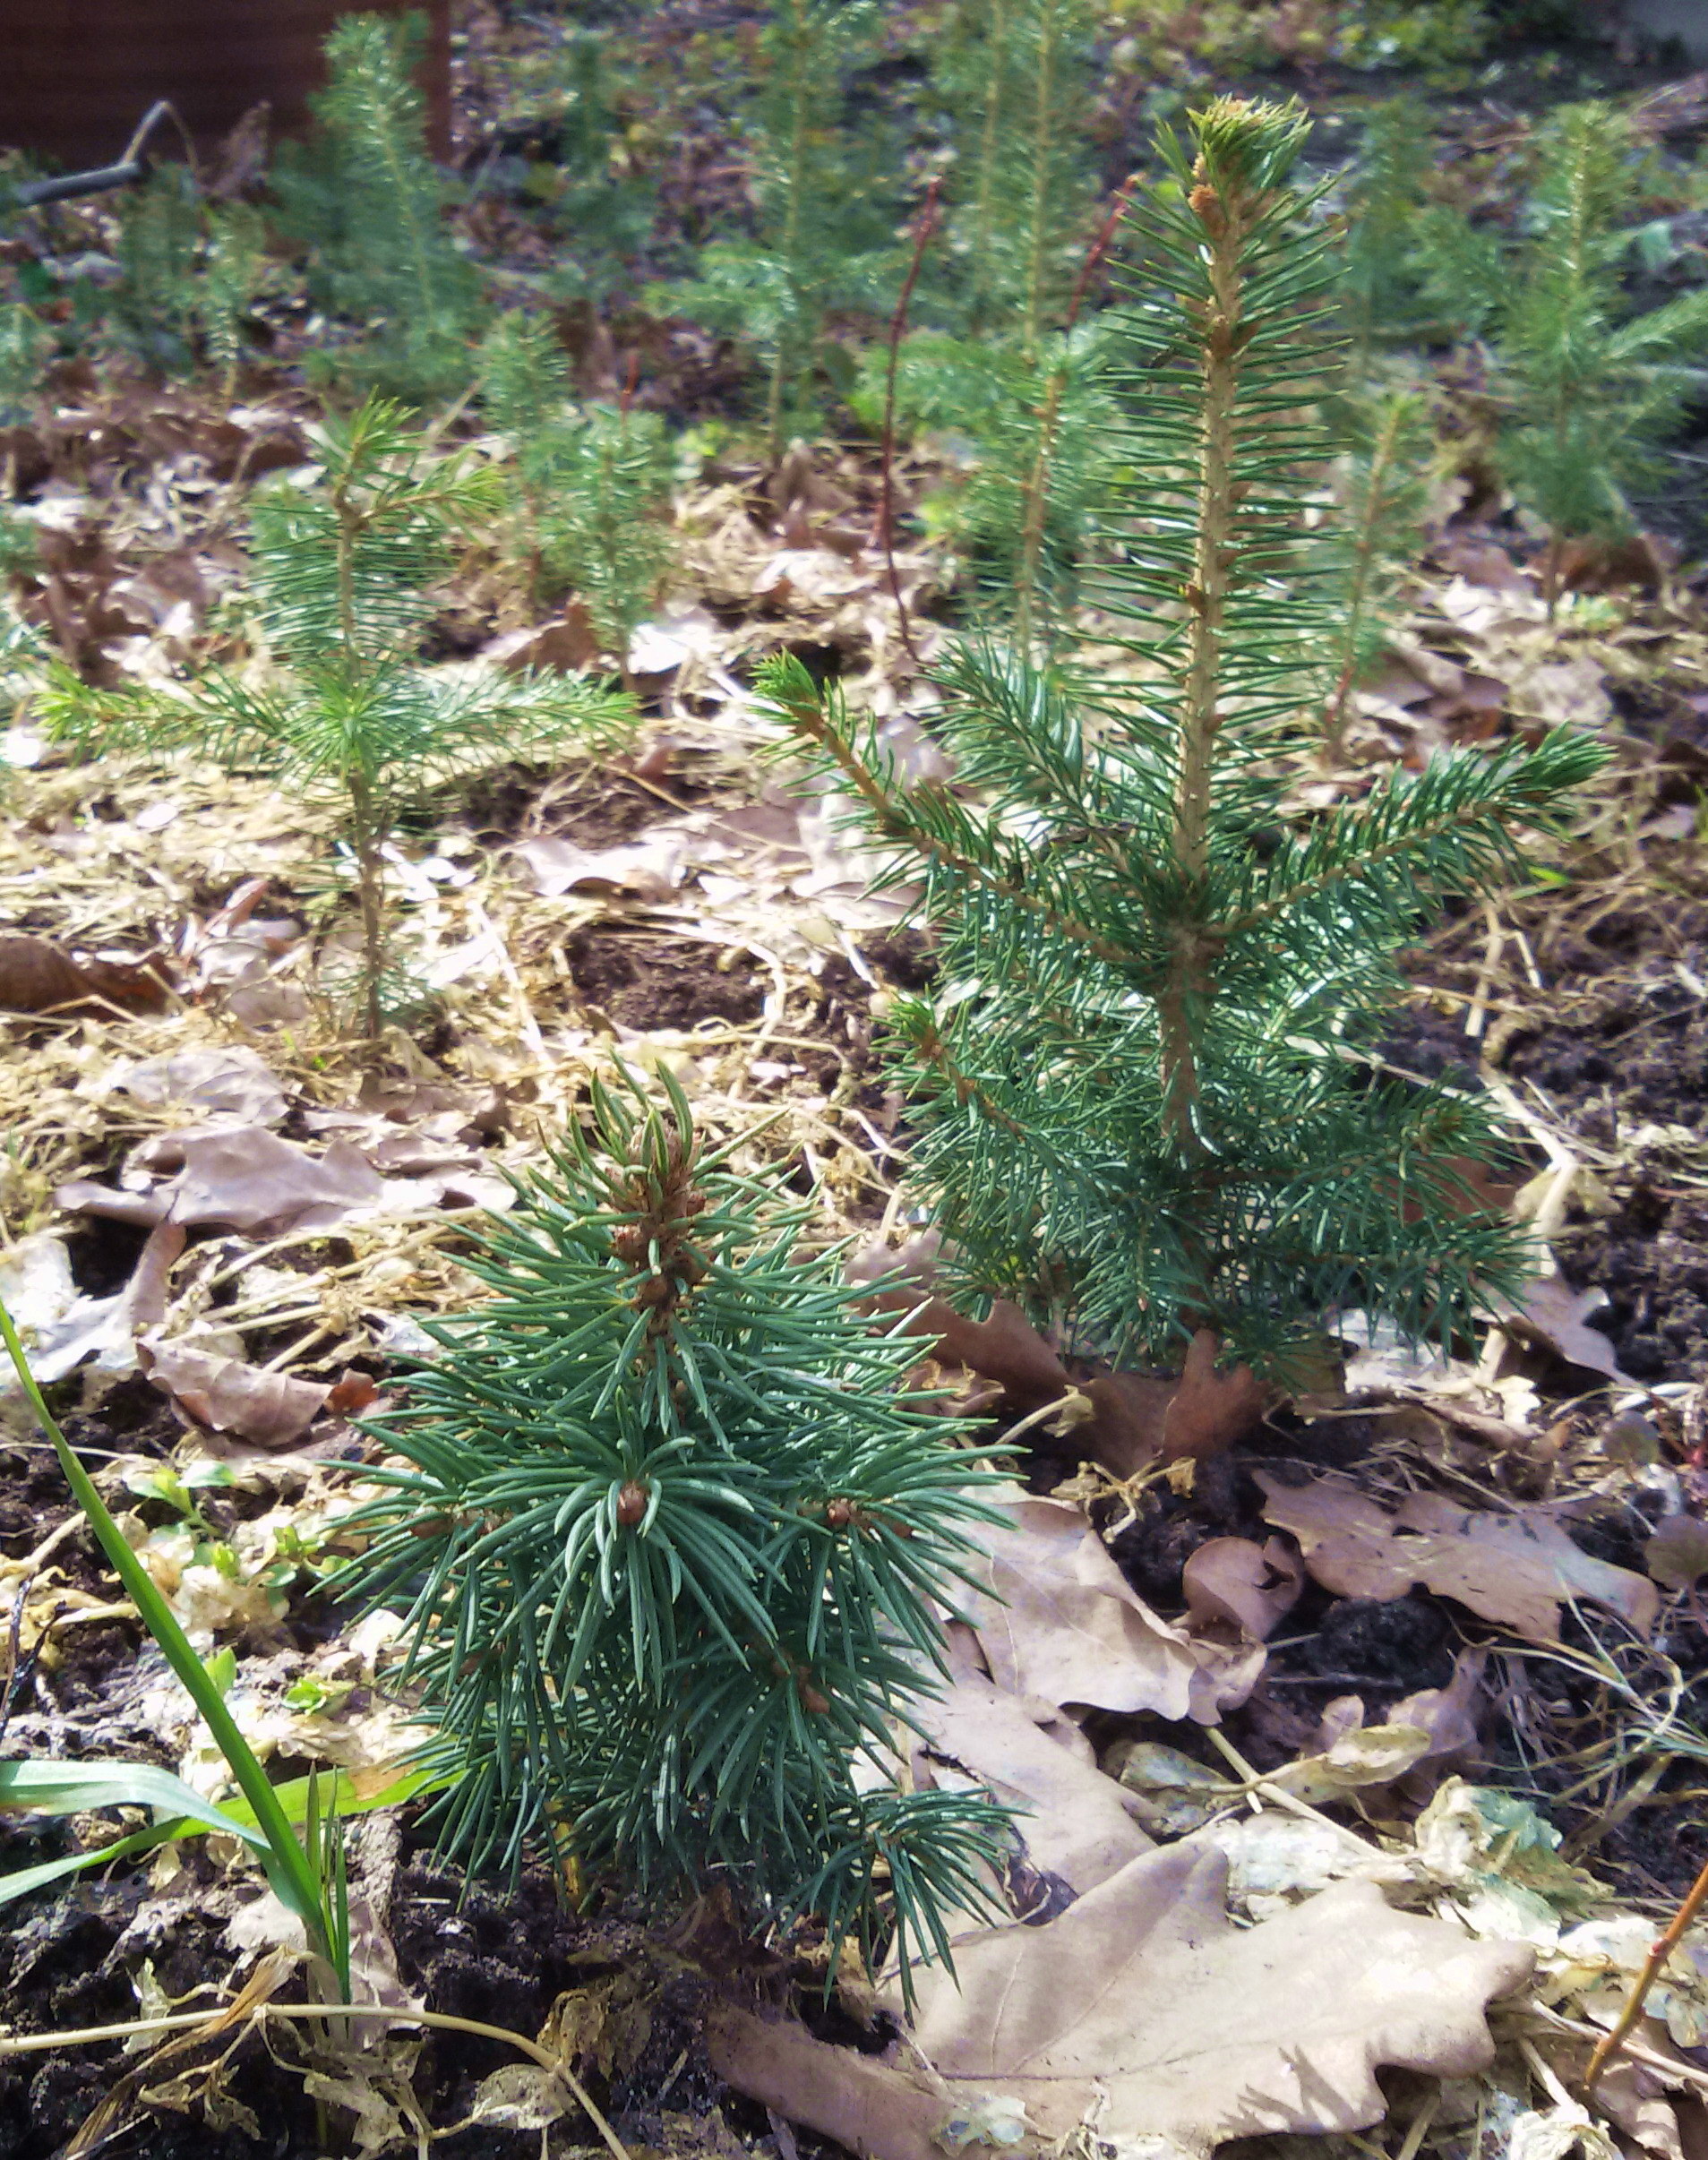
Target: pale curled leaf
[1061,1623]
[521,2096]
[1077,1824]
[1142,2010]
[1516,1569]
[228,1396]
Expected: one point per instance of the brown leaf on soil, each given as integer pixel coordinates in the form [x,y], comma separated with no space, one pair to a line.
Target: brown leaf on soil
[1141,1420]
[37,977]
[228,1396]
[1516,1569]
[1142,2010]
[353,1393]
[243,1178]
[1077,1824]
[1551,1313]
[1678,1553]
[650,867]
[1232,1579]
[1057,1620]
[565,644]
[233,1084]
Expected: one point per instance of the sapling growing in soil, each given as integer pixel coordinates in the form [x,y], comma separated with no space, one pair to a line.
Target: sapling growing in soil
[1591,387]
[820,237]
[1016,77]
[593,482]
[1147,1098]
[668,1542]
[335,702]
[369,204]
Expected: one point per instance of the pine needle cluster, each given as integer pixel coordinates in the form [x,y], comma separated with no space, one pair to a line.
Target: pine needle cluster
[593,482]
[669,1542]
[335,702]
[1147,1099]
[368,203]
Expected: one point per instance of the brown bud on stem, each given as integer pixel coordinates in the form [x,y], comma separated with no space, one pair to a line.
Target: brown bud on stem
[631,1503]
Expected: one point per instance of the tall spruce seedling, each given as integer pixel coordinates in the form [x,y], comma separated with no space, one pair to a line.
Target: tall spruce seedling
[370,204]
[1147,1101]
[1016,77]
[343,706]
[668,1542]
[818,241]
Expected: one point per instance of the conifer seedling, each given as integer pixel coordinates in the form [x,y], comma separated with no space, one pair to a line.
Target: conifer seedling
[1146,1097]
[369,204]
[593,482]
[1591,388]
[336,702]
[822,237]
[668,1542]
[1015,75]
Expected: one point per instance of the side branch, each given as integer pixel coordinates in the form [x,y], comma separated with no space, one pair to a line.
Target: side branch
[806,715]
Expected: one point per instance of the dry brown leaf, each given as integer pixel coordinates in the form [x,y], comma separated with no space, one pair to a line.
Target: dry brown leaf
[233,1084]
[1061,1623]
[1677,1554]
[228,1396]
[1141,1420]
[564,646]
[1550,1312]
[1516,1569]
[1142,2011]
[651,869]
[242,1178]
[37,977]
[1232,1579]
[1077,1824]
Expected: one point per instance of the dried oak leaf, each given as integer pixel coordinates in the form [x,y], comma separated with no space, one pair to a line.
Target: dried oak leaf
[1141,1420]
[1143,2010]
[228,1396]
[1232,1579]
[1551,1313]
[37,977]
[1058,1621]
[1078,1825]
[241,1177]
[1516,1569]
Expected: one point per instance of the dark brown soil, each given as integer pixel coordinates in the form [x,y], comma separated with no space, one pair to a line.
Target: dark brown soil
[648,979]
[483,1953]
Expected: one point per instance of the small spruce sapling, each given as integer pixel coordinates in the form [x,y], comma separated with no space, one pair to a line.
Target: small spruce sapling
[593,482]
[345,708]
[1590,389]
[822,237]
[1146,1091]
[669,1542]
[1376,532]
[369,204]
[592,193]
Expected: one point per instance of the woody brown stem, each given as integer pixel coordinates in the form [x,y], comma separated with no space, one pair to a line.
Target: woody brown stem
[1226,214]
